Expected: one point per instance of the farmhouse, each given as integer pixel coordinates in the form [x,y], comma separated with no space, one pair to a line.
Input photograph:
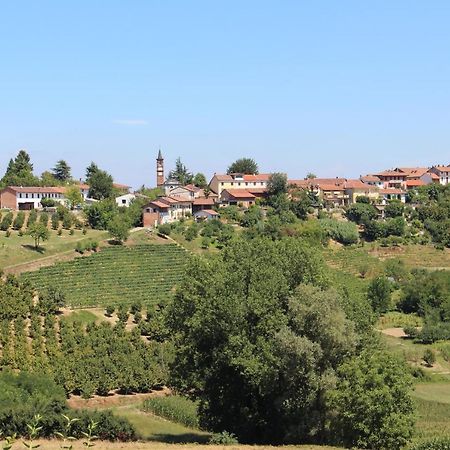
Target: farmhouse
[442,172]
[26,198]
[206,214]
[165,210]
[238,197]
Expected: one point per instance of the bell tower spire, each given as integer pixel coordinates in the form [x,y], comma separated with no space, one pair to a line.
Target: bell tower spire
[159,170]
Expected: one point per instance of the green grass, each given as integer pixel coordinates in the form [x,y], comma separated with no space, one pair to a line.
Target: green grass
[83,316]
[17,249]
[175,408]
[154,428]
[116,275]
[433,418]
[396,319]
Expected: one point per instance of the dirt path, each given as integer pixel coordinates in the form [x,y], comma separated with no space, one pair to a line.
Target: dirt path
[394,332]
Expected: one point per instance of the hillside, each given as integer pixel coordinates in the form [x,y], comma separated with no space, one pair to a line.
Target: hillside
[145,273]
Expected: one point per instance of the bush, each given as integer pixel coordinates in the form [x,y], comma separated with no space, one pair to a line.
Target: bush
[80,248]
[223,438]
[19,220]
[109,310]
[6,221]
[431,333]
[344,232]
[429,357]
[43,218]
[191,232]
[165,229]
[32,218]
[175,408]
[411,332]
[55,221]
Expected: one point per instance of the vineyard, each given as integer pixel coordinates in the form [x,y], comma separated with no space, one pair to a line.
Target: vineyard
[117,275]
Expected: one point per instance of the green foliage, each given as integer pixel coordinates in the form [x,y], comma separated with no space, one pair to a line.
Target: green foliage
[199,180]
[376,230]
[344,232]
[73,196]
[61,171]
[6,222]
[32,218]
[372,403]
[55,221]
[181,173]
[38,232]
[395,208]
[19,221]
[191,232]
[119,229]
[244,166]
[165,229]
[20,171]
[379,294]
[251,216]
[115,275]
[247,334]
[437,443]
[47,202]
[223,438]
[175,408]
[99,214]
[361,212]
[429,357]
[277,184]
[100,184]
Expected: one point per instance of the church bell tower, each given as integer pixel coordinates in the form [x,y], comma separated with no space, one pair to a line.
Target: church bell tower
[159,170]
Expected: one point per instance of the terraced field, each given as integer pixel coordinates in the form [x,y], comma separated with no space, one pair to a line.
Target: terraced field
[116,275]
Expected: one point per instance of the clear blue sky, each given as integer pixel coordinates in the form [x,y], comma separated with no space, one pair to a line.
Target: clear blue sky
[333,87]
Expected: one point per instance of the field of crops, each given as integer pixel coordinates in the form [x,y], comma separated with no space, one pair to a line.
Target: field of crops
[116,275]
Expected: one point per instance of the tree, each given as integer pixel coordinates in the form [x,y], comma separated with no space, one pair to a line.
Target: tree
[244,166]
[310,176]
[61,171]
[200,181]
[73,196]
[277,184]
[361,212]
[379,294]
[372,402]
[100,185]
[429,357]
[90,170]
[394,208]
[255,348]
[181,173]
[20,171]
[38,232]
[119,228]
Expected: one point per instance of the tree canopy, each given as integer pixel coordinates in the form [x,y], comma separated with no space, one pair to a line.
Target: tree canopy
[61,171]
[244,165]
[181,173]
[20,171]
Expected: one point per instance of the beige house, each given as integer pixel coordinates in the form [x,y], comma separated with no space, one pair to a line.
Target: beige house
[166,210]
[356,188]
[233,181]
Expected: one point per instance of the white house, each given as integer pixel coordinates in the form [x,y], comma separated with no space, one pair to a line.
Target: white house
[26,198]
[165,210]
[443,172]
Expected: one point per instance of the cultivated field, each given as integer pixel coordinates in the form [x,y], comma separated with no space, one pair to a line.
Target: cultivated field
[116,275]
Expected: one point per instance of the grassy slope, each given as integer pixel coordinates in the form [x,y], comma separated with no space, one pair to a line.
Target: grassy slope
[20,249]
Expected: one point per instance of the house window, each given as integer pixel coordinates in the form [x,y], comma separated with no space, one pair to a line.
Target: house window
[124,202]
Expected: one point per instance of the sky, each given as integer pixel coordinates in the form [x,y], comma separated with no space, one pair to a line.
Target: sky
[338,88]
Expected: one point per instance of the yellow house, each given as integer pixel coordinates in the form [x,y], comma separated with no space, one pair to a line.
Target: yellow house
[219,183]
[356,188]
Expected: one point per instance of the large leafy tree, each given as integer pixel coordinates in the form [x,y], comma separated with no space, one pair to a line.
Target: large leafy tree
[100,183]
[372,402]
[181,173]
[61,171]
[200,180]
[244,165]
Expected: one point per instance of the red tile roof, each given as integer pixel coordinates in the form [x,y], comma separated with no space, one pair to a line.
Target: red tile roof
[38,189]
[391,191]
[414,183]
[358,184]
[442,168]
[370,178]
[239,193]
[330,187]
[158,204]
[203,201]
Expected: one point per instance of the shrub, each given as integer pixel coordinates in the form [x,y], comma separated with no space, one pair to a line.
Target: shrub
[344,232]
[55,221]
[429,357]
[223,438]
[411,332]
[191,232]
[59,233]
[80,248]
[43,218]
[71,232]
[48,202]
[165,229]
[6,221]
[109,310]
[32,218]
[19,220]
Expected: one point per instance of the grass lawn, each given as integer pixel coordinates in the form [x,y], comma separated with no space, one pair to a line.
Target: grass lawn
[17,249]
[154,428]
[83,316]
[433,418]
